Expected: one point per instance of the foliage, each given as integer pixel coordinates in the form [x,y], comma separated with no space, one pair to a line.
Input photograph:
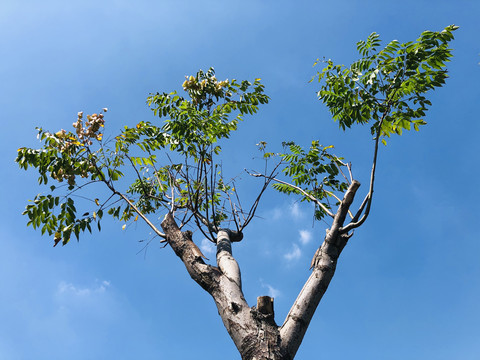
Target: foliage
[191,131]
[315,171]
[387,88]
[384,88]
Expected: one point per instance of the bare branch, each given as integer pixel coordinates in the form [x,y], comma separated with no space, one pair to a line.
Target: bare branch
[193,204]
[233,212]
[172,188]
[203,168]
[253,208]
[341,172]
[360,209]
[149,223]
[183,222]
[324,264]
[314,199]
[239,204]
[349,167]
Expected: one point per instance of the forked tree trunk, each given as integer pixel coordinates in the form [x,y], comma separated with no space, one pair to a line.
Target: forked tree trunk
[253,329]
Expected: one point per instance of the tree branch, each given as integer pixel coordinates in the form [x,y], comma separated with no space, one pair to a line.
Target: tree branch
[221,283]
[324,264]
[112,188]
[149,223]
[354,224]
[225,261]
[314,199]
[254,206]
[183,246]
[138,175]
[339,200]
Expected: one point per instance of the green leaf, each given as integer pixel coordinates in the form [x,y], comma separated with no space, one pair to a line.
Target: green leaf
[389,81]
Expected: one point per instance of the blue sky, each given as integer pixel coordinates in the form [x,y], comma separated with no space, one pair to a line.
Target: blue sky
[407,284]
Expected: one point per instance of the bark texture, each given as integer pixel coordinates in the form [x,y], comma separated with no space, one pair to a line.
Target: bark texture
[254,333]
[253,329]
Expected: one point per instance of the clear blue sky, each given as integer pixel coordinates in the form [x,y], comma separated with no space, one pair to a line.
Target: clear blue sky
[407,286]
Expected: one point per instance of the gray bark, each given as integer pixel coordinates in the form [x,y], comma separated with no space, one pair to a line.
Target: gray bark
[324,264]
[253,329]
[255,334]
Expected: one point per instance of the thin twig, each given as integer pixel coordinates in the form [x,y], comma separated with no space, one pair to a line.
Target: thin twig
[141,215]
[233,212]
[312,198]
[138,175]
[239,203]
[349,167]
[341,172]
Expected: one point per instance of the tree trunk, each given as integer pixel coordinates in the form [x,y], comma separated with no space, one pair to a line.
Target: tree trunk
[253,329]
[254,333]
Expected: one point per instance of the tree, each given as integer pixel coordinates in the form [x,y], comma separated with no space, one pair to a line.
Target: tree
[385,89]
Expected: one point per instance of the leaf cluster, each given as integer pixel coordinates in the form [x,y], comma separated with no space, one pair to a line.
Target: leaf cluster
[315,174]
[63,223]
[193,125]
[386,88]
[193,184]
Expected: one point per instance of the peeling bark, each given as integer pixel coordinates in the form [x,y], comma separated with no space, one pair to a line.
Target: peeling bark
[205,275]
[253,329]
[254,332]
[225,260]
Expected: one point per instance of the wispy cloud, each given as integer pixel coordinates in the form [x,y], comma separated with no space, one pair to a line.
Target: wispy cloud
[294,254]
[71,289]
[305,236]
[207,247]
[295,211]
[272,292]
[277,213]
